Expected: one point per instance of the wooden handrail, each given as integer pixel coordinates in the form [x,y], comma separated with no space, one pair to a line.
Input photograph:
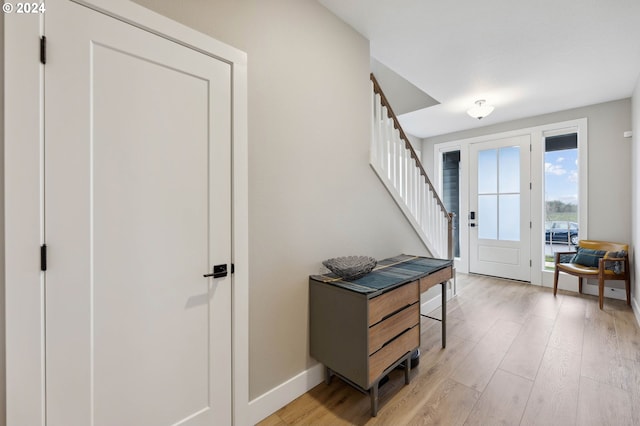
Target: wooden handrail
[378,90]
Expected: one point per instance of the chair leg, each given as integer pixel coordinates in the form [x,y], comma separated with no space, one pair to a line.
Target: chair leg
[555,281]
[601,291]
[627,285]
[580,285]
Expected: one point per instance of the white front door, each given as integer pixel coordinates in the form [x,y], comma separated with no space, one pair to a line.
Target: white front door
[499,206]
[137,210]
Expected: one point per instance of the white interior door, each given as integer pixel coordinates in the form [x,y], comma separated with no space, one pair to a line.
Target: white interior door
[137,200]
[499,206]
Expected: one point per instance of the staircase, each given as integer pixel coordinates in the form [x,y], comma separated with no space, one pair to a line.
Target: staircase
[400,170]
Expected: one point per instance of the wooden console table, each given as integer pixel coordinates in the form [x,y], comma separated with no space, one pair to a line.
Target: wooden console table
[362,329]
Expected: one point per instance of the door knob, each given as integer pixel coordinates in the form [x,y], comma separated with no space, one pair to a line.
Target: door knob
[219,271]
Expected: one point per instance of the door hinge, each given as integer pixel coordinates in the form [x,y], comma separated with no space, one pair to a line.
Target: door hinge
[530,185]
[43,50]
[233,268]
[530,263]
[530,148]
[530,225]
[43,257]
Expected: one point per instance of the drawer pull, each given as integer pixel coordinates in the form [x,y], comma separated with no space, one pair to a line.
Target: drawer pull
[395,338]
[384,331]
[395,312]
[390,302]
[406,342]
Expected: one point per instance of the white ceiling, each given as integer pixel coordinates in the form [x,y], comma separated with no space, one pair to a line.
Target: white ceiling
[525,57]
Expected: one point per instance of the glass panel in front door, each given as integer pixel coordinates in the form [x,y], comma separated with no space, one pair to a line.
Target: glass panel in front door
[499,194]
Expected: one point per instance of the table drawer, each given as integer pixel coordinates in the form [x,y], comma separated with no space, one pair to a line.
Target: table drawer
[390,353]
[436,278]
[392,301]
[391,327]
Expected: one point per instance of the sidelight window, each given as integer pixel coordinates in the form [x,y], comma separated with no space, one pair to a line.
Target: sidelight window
[561,189]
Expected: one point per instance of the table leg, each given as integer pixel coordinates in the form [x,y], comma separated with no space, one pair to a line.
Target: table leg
[407,368]
[444,314]
[374,399]
[327,375]
[455,283]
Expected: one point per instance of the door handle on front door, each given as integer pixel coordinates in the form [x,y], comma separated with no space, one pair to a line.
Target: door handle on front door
[219,271]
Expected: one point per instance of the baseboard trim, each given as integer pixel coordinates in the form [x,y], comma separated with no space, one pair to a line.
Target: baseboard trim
[570,283]
[635,306]
[271,401]
[609,292]
[435,302]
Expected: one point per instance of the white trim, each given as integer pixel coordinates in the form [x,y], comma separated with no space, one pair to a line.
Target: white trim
[581,129]
[609,292]
[24,296]
[436,301]
[570,283]
[240,242]
[146,19]
[271,401]
[636,309]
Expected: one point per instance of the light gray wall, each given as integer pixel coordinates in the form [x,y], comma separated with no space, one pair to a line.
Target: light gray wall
[402,95]
[427,158]
[635,185]
[416,143]
[312,193]
[609,208]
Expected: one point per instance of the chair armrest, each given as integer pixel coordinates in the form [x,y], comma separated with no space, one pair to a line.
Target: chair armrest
[602,264]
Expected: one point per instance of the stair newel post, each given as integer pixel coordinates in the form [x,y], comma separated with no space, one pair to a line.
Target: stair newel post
[450,236]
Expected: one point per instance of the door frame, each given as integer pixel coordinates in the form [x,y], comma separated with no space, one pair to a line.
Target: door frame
[24,209]
[537,135]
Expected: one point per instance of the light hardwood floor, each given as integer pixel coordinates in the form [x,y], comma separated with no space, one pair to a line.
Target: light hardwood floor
[516,355]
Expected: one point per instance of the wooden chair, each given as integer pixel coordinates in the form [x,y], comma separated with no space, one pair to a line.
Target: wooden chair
[563,263]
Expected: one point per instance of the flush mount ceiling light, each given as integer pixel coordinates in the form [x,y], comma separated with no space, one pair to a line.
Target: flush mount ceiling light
[480,109]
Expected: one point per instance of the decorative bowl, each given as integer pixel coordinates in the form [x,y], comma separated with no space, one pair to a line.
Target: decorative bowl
[351,267]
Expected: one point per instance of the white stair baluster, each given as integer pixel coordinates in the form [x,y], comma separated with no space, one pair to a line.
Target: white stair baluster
[393,161]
